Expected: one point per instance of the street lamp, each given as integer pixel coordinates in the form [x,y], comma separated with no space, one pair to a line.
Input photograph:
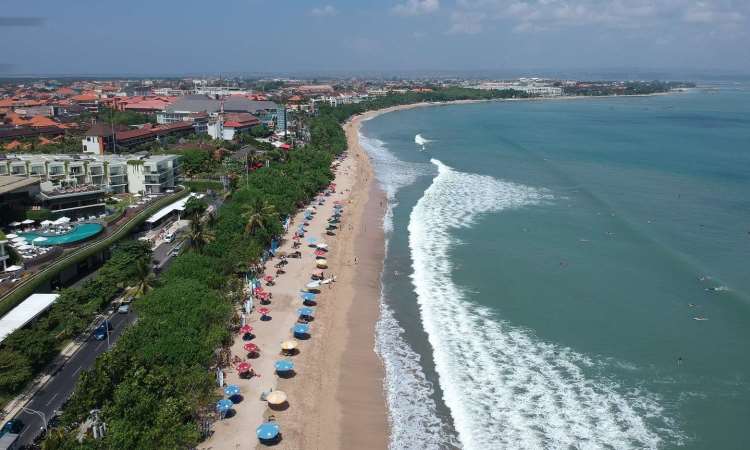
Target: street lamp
[38,413]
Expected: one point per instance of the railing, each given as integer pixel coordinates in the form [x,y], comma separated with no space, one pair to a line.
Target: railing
[28,285]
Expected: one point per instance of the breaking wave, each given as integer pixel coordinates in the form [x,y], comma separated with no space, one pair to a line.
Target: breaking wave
[504,387]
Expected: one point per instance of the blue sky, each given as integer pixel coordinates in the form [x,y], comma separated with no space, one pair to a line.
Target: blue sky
[171,37]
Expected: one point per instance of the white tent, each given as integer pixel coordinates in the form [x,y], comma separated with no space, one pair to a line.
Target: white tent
[13,268]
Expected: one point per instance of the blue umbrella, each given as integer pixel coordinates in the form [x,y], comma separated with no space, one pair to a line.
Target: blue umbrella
[308,296]
[312,240]
[231,390]
[267,430]
[284,365]
[308,312]
[224,405]
[301,328]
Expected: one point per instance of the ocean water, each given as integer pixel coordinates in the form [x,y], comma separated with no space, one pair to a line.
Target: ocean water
[567,274]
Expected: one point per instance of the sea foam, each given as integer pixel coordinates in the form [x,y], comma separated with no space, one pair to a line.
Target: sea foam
[412,412]
[506,388]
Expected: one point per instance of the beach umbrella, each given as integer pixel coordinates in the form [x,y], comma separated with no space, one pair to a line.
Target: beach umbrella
[320,252]
[284,365]
[267,431]
[28,222]
[11,236]
[305,312]
[312,240]
[322,245]
[276,398]
[15,224]
[321,263]
[264,311]
[313,285]
[250,347]
[307,296]
[289,345]
[268,278]
[232,390]
[301,329]
[246,329]
[224,405]
[244,367]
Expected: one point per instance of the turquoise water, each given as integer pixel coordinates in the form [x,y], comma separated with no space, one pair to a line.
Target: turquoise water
[546,265]
[79,232]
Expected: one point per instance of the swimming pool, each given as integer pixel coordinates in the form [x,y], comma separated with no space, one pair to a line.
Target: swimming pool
[79,232]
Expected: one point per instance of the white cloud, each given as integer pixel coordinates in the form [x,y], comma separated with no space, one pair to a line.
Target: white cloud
[463,22]
[324,11]
[537,15]
[416,7]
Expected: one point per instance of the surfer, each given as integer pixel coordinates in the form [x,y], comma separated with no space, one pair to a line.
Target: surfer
[699,318]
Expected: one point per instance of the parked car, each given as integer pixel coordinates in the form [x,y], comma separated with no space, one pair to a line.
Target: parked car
[13,426]
[100,333]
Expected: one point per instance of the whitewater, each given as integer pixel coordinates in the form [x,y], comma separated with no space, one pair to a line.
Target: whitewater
[504,387]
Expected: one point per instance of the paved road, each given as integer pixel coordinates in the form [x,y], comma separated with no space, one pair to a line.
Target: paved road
[58,389]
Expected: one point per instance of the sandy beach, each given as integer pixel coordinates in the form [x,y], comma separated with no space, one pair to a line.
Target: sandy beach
[335,399]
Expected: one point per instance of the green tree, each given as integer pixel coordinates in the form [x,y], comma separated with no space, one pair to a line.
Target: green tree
[199,235]
[194,208]
[258,215]
[144,279]
[15,371]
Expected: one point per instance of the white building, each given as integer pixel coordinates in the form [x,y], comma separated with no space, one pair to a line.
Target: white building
[532,88]
[134,173]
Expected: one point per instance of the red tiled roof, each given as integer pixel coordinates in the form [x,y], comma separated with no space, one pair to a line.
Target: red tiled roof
[240,120]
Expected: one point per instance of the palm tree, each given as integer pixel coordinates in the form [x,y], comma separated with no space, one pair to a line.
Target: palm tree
[257,215]
[199,235]
[145,280]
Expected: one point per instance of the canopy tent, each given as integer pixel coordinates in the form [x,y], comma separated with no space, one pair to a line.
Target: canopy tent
[306,312]
[244,367]
[301,329]
[289,345]
[284,365]
[224,405]
[267,431]
[250,347]
[232,390]
[276,398]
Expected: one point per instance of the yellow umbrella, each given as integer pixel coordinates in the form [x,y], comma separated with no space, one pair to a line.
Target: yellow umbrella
[321,263]
[289,345]
[276,397]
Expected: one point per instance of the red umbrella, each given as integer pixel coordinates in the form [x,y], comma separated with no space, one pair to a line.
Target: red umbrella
[268,278]
[296,237]
[244,367]
[250,347]
[320,252]
[264,311]
[245,329]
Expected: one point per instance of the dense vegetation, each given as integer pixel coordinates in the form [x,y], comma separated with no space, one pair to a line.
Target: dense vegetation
[343,112]
[154,386]
[27,351]
[600,88]
[107,115]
